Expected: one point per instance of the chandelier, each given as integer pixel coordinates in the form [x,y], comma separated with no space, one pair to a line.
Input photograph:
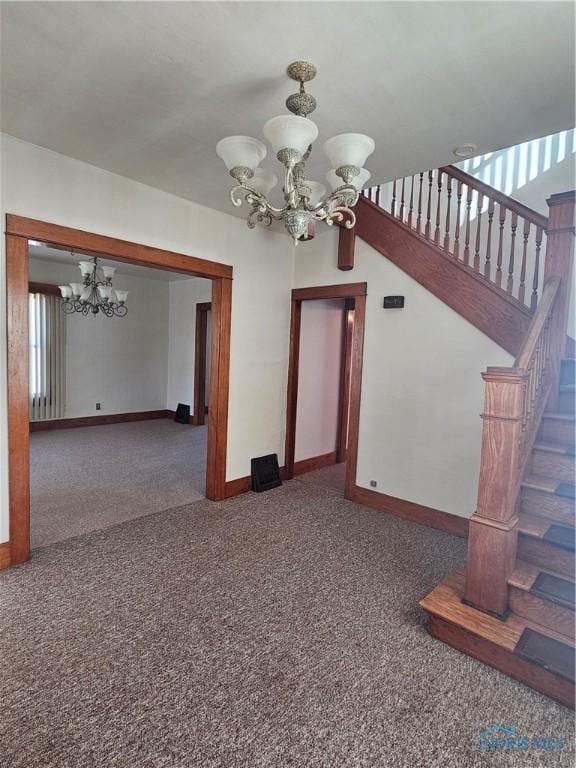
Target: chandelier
[95,294]
[291,137]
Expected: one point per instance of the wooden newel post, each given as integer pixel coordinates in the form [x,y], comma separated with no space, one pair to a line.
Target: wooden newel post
[346,244]
[559,264]
[493,528]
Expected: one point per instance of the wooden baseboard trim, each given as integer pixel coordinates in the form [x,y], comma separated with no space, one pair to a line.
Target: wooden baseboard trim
[409,510]
[243,484]
[93,421]
[5,557]
[490,653]
[238,486]
[315,462]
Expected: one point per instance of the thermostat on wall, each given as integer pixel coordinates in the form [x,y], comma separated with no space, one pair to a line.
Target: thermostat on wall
[393,302]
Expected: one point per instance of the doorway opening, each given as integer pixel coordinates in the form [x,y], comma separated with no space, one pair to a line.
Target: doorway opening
[39,389]
[202,361]
[324,378]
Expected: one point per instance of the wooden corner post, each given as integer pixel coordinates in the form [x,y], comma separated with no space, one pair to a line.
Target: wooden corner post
[493,528]
[346,243]
[559,264]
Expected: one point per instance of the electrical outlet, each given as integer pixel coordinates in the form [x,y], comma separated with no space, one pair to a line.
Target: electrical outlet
[373,483]
[98,406]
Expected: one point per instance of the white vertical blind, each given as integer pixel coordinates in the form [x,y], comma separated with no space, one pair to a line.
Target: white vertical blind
[47,325]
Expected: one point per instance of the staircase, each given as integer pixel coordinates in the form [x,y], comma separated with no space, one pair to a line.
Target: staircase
[507,270]
[534,640]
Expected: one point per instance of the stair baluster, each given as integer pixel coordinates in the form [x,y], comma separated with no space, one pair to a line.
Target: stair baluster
[536,277]
[525,236]
[456,253]
[487,262]
[419,218]
[514,226]
[478,231]
[411,208]
[429,207]
[447,227]
[437,228]
[469,196]
[401,215]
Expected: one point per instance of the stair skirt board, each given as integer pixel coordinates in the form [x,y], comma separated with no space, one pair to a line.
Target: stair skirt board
[562,536]
[550,654]
[556,590]
[540,679]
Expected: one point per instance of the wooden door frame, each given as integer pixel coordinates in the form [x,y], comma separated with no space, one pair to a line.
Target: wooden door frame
[18,231]
[354,352]
[200,344]
[348,316]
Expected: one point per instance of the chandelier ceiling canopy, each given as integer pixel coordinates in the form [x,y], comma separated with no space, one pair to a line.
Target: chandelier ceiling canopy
[95,294]
[291,137]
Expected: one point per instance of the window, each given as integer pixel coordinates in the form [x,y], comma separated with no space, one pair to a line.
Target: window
[47,338]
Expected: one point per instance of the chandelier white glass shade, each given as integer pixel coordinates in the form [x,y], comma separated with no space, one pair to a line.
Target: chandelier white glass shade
[348,149]
[291,137]
[358,181]
[95,294]
[263,180]
[290,131]
[241,151]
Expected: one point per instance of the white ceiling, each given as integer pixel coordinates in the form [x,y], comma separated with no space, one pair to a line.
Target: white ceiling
[147,89]
[48,253]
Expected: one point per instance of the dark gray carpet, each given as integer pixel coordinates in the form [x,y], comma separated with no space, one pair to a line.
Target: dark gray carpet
[88,478]
[271,630]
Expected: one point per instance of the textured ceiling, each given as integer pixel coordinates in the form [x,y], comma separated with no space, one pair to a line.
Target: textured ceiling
[147,89]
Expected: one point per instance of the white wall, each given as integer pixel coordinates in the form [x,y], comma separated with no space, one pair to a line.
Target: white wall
[184,295]
[318,378]
[421,388]
[42,184]
[118,362]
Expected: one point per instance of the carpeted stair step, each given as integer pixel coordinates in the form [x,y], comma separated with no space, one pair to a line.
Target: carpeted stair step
[567,400]
[496,642]
[547,544]
[543,598]
[568,371]
[540,496]
[553,460]
[557,427]
[547,652]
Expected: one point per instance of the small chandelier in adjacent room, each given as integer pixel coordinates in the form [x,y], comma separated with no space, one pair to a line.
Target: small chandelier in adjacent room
[95,294]
[291,137]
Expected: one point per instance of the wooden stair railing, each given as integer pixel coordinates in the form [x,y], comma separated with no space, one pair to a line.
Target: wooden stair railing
[515,400]
[492,234]
[494,312]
